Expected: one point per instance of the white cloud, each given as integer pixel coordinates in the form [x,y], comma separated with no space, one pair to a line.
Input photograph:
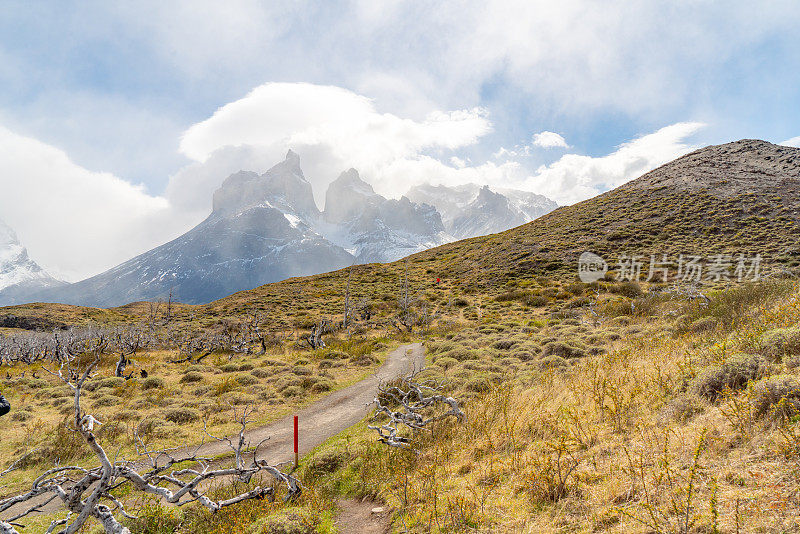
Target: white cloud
[794,141]
[547,139]
[76,222]
[331,128]
[574,177]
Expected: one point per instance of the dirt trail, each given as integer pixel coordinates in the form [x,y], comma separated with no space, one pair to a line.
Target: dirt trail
[362,517]
[325,418]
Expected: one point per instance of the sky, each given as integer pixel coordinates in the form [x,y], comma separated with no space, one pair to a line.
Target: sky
[118,120]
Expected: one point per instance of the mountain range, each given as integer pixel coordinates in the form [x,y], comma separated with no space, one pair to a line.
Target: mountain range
[741,197]
[470,210]
[267,227]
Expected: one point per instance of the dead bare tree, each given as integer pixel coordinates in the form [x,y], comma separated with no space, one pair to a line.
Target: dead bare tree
[592,308]
[314,338]
[411,405]
[690,292]
[89,492]
[406,318]
[345,321]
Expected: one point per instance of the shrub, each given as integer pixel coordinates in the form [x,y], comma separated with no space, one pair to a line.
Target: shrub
[181,416]
[536,301]
[478,385]
[191,377]
[362,361]
[229,368]
[704,324]
[461,354]
[627,289]
[260,373]
[292,391]
[21,415]
[523,355]
[504,344]
[553,362]
[224,386]
[283,522]
[734,374]
[564,349]
[152,427]
[153,518]
[681,409]
[446,363]
[153,382]
[246,380]
[105,400]
[778,396]
[325,462]
[60,445]
[321,386]
[781,342]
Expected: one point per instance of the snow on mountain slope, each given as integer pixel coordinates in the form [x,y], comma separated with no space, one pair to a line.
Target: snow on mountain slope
[470,210]
[376,229]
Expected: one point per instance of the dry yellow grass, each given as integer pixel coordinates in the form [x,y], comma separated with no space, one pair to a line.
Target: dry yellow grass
[616,442]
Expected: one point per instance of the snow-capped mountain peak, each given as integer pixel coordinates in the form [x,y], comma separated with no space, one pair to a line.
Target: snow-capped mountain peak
[19,273]
[283,186]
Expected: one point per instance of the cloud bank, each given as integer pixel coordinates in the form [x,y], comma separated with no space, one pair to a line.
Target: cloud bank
[333,129]
[74,221]
[77,222]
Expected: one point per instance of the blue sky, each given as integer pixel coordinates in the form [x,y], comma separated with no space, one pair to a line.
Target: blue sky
[136,100]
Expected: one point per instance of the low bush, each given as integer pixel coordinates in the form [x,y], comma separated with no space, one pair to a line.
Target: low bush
[246,380]
[564,349]
[781,342]
[284,522]
[734,374]
[153,382]
[478,385]
[181,416]
[321,387]
[553,362]
[777,396]
[191,377]
[680,409]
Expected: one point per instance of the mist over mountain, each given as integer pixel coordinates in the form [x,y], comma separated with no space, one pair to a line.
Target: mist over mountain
[19,275]
[267,227]
[471,210]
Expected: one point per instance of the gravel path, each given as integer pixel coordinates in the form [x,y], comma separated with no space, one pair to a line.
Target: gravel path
[325,418]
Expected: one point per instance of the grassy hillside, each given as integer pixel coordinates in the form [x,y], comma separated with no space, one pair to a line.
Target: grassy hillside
[603,407]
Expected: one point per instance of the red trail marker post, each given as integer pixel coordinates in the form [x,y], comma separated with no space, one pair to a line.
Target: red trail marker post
[296,443]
